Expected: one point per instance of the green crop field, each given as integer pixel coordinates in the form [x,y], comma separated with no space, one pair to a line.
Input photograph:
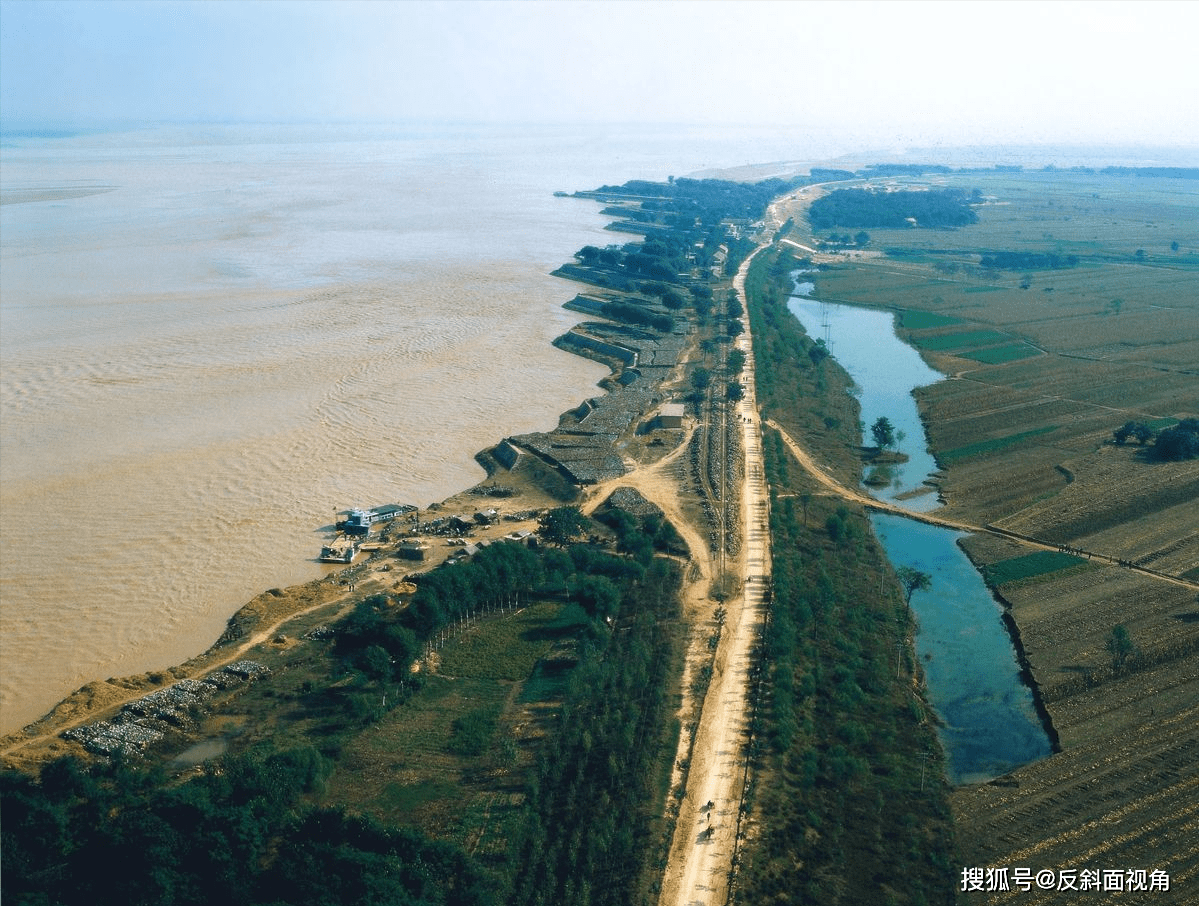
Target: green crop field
[1029,566]
[927,320]
[990,446]
[996,355]
[965,340]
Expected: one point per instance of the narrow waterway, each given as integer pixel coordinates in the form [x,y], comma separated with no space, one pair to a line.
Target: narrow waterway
[885,370]
[989,722]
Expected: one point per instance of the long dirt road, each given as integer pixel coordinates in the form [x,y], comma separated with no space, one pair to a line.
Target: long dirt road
[705,839]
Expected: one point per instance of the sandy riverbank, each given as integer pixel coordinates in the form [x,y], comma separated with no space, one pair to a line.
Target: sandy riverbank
[266,618]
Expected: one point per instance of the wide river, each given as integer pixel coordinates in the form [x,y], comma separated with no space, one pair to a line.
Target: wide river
[214,337]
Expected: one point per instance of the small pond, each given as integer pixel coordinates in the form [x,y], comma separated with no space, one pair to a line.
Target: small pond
[197,754]
[989,722]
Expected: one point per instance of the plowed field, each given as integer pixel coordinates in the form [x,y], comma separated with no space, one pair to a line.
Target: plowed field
[1026,445]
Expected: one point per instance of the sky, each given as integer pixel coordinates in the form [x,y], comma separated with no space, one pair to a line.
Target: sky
[932,72]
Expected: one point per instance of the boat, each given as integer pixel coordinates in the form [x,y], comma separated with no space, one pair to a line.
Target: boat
[359,521]
[341,550]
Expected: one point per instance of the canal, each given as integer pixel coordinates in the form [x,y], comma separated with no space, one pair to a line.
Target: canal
[988,720]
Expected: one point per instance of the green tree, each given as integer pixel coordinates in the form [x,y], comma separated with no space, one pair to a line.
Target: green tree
[1119,645]
[673,300]
[883,432]
[1178,443]
[599,595]
[913,580]
[375,662]
[563,524]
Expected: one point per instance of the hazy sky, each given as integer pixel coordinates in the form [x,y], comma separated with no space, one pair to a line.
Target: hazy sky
[932,72]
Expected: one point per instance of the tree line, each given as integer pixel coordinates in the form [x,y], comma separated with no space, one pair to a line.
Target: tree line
[250,828]
[848,794]
[1028,261]
[869,208]
[239,834]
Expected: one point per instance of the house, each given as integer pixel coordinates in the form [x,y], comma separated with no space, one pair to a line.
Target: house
[670,416]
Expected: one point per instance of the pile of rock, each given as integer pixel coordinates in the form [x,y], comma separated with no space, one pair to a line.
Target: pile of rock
[142,723]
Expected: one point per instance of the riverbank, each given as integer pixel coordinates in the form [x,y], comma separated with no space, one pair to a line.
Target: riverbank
[527,474]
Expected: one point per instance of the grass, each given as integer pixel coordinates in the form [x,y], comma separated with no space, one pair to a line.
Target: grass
[997,355]
[1030,566]
[990,446]
[505,648]
[440,760]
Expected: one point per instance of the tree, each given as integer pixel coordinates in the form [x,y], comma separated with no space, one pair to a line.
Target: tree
[1178,443]
[735,391]
[563,524]
[673,300]
[861,238]
[1119,646]
[883,432]
[913,580]
[599,595]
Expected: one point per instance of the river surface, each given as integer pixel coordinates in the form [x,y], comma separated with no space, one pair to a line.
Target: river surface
[215,337]
[885,371]
[989,723]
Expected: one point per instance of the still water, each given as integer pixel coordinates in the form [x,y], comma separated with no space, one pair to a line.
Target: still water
[885,372]
[989,723]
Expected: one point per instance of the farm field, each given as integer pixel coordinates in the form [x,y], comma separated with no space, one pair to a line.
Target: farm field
[1042,366]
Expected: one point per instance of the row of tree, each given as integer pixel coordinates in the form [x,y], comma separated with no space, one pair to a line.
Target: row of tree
[246,831]
[849,801]
[1028,261]
[239,834]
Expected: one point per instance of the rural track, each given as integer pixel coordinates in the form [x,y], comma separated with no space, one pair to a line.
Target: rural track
[834,486]
[708,828]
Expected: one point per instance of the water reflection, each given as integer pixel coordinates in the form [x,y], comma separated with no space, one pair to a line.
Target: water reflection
[989,721]
[886,371]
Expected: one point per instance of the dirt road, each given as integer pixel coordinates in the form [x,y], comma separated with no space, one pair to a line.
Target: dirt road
[701,854]
[835,487]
